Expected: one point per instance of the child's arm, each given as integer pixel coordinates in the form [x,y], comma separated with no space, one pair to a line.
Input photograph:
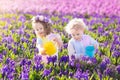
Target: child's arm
[41,49]
[71,50]
[94,42]
[59,41]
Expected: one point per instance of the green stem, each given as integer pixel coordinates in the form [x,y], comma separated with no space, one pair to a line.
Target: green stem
[116,61]
[41,78]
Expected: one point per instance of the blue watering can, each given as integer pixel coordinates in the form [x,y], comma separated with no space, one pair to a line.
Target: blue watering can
[90,51]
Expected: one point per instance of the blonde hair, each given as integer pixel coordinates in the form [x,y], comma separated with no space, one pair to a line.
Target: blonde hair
[75,23]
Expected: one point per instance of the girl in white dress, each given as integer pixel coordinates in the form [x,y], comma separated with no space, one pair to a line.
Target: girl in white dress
[43,29]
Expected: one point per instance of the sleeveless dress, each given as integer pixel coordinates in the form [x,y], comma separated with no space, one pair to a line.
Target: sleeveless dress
[40,42]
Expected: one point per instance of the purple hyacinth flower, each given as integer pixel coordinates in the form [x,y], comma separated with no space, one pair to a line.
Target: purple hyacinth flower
[20,31]
[1,57]
[65,45]
[23,62]
[27,35]
[103,66]
[4,52]
[34,40]
[115,36]
[11,63]
[14,50]
[22,19]
[99,74]
[52,59]
[9,47]
[84,58]
[36,50]
[93,60]
[118,69]
[71,74]
[24,76]
[100,30]
[72,63]
[108,72]
[5,69]
[78,74]
[72,57]
[77,65]
[65,72]
[116,54]
[46,72]
[7,60]
[37,59]
[10,76]
[106,60]
[38,67]
[64,59]
[29,62]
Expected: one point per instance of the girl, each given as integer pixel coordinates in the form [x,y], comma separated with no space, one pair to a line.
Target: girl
[43,29]
[80,44]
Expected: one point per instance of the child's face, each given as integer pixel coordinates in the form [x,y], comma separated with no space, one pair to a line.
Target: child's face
[39,29]
[77,33]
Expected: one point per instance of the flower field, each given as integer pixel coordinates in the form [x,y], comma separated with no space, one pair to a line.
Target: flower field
[18,52]
[106,7]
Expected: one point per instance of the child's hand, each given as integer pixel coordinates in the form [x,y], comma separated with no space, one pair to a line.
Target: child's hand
[95,46]
[54,39]
[59,43]
[42,51]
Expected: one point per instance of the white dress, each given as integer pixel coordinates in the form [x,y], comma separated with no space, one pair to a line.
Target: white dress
[40,42]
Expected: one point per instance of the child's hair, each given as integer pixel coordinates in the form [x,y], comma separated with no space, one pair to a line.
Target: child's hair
[46,22]
[75,24]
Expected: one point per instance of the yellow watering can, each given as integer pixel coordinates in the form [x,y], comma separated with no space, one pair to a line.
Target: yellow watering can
[49,46]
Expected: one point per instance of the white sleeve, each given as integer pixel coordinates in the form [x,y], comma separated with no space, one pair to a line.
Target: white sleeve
[39,46]
[93,42]
[71,50]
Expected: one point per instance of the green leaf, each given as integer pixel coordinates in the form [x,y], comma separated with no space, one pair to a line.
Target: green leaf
[1,65]
[12,56]
[106,50]
[2,23]
[94,76]
[28,16]
[55,18]
[0,75]
[62,78]
[25,45]
[14,36]
[28,25]
[113,60]
[19,24]
[106,78]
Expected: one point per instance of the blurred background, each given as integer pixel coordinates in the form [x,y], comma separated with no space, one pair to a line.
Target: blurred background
[18,52]
[102,7]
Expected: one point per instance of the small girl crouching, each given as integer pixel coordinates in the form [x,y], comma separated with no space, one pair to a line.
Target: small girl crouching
[47,43]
